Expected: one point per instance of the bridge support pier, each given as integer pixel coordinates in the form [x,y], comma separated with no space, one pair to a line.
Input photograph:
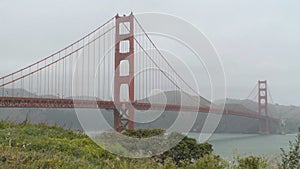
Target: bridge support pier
[124,52]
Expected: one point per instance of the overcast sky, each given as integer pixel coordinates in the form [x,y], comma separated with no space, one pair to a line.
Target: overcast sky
[255,39]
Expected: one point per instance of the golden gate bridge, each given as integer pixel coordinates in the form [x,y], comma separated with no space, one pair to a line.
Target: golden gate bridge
[78,77]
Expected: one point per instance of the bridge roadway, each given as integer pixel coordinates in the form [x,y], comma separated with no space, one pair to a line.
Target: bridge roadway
[19,102]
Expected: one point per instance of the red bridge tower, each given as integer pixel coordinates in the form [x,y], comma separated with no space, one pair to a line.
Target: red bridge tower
[124,52]
[263,107]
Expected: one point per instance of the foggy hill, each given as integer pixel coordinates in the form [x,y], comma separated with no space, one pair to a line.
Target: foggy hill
[228,123]
[176,97]
[275,110]
[290,113]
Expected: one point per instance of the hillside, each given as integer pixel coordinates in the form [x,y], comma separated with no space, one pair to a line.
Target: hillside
[276,110]
[41,146]
[290,113]
[25,145]
[67,118]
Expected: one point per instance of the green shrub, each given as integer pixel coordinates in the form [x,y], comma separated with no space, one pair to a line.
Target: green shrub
[251,162]
[291,159]
[187,151]
[209,161]
[41,146]
[143,133]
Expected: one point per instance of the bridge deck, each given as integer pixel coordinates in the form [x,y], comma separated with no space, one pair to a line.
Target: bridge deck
[18,102]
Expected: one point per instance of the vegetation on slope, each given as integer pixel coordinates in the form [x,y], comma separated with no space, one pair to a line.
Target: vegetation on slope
[40,146]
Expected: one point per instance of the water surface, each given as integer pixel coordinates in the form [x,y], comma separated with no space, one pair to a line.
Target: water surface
[228,145]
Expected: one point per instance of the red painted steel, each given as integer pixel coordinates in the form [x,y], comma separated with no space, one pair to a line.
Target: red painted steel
[263,106]
[17,102]
[55,82]
[120,56]
[52,63]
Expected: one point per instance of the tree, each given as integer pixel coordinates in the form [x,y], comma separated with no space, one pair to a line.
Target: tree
[291,158]
[187,150]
